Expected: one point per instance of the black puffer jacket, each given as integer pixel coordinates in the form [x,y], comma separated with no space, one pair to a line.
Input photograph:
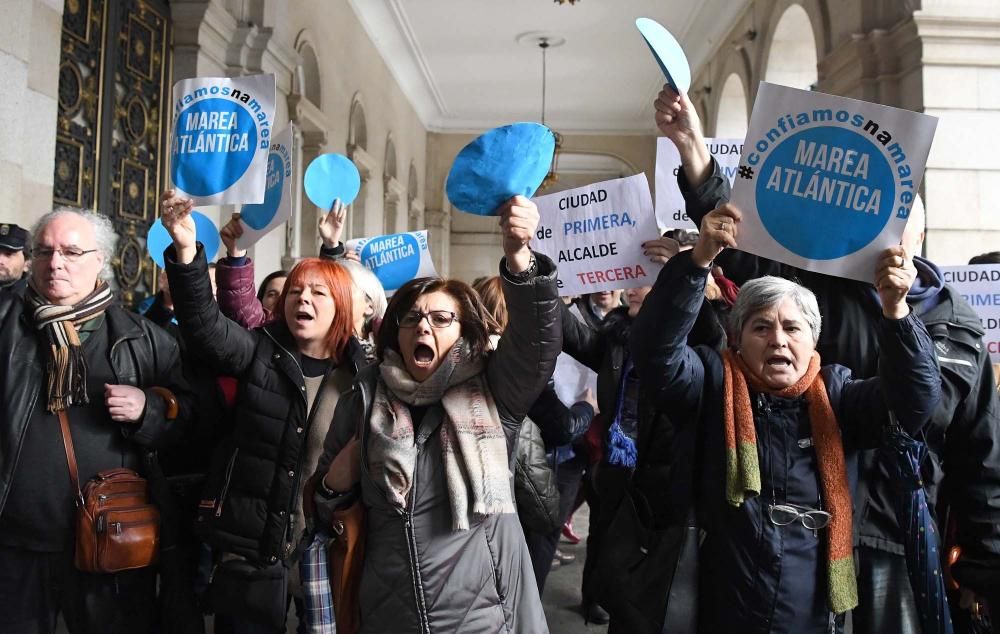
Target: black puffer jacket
[250,496]
[757,576]
[963,435]
[535,490]
[419,574]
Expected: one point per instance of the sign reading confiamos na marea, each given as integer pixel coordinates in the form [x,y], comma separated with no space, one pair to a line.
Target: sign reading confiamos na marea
[979,284]
[825,183]
[221,138]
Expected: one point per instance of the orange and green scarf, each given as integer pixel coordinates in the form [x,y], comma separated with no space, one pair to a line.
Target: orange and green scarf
[743,468]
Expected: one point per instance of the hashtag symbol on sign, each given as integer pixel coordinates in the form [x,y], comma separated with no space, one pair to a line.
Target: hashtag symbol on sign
[746,172]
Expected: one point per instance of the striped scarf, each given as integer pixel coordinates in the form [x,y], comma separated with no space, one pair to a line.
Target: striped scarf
[67,370]
[473,444]
[743,469]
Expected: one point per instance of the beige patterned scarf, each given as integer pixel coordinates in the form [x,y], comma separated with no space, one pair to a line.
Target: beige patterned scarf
[473,445]
[67,368]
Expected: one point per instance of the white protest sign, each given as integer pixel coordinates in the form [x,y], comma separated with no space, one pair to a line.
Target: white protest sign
[221,137]
[395,259]
[825,183]
[570,377]
[594,234]
[258,220]
[669,202]
[979,284]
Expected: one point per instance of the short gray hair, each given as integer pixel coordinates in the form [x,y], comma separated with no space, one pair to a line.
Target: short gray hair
[767,292]
[364,279]
[104,233]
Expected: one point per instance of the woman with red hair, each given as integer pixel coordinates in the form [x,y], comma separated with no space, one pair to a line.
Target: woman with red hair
[290,373]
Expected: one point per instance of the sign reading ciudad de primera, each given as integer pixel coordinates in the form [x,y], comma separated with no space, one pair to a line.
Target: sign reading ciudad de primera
[221,138]
[594,234]
[825,183]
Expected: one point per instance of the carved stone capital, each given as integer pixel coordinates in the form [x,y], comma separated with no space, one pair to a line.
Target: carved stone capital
[364,161]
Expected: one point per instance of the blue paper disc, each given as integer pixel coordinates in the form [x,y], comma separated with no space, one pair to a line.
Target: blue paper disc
[332,176]
[507,161]
[668,53]
[158,239]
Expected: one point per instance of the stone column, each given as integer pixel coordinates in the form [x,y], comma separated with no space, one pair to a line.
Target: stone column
[960,84]
[438,225]
[944,60]
[30,35]
[365,215]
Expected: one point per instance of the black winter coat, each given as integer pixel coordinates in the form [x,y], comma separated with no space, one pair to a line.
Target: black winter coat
[141,355]
[756,576]
[963,436]
[248,503]
[420,575]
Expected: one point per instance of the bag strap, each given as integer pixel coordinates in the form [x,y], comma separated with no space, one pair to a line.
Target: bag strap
[74,474]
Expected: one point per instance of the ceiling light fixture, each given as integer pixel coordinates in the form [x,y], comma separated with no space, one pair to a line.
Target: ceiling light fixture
[545,43]
[562,2]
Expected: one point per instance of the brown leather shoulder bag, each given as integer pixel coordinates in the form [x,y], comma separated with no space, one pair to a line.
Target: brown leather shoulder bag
[117,528]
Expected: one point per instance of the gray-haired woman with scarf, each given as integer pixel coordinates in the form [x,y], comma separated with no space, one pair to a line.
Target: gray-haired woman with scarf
[438,418]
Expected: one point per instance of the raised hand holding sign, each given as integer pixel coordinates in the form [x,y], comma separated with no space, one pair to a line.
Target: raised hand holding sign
[718,231]
[668,53]
[200,227]
[894,275]
[331,226]
[518,221]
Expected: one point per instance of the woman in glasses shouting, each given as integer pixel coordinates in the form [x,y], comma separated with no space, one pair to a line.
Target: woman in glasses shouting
[771,437]
[425,442]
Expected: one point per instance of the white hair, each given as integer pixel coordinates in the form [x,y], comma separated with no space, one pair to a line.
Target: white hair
[104,233]
[769,291]
[365,280]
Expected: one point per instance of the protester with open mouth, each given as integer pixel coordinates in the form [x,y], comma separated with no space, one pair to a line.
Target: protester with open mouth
[768,440]
[439,417]
[291,373]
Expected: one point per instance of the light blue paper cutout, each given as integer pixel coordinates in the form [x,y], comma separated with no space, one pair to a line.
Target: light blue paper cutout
[205,232]
[332,176]
[668,53]
[504,162]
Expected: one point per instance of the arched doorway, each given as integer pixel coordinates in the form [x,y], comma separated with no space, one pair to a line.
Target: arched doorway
[731,118]
[791,59]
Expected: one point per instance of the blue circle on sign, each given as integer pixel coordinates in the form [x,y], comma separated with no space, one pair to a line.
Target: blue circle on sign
[258,216]
[205,231]
[394,259]
[825,192]
[214,144]
[329,177]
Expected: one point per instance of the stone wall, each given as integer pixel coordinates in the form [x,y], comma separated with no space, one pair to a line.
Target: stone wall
[29,65]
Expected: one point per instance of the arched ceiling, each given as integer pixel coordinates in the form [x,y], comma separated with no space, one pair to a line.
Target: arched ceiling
[461,68]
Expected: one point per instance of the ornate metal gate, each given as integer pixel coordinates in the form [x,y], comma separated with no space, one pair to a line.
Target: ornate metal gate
[114,93]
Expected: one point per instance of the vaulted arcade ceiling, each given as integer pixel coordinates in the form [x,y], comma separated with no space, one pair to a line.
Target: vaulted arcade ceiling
[463,69]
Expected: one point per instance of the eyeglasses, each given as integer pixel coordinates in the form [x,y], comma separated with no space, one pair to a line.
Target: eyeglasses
[70,254]
[436,318]
[785,514]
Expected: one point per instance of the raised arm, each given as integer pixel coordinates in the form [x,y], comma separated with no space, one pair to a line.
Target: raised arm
[219,340]
[527,351]
[580,341]
[670,372]
[909,381]
[237,294]
[560,425]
